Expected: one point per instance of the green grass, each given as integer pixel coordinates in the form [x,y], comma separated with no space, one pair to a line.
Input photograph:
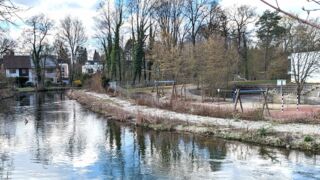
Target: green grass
[26,89]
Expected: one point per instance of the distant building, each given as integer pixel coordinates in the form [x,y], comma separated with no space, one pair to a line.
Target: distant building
[92,67]
[22,67]
[63,71]
[18,67]
[49,68]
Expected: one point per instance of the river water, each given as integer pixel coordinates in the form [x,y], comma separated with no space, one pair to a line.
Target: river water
[48,136]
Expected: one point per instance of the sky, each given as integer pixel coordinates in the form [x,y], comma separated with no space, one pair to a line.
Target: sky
[85,10]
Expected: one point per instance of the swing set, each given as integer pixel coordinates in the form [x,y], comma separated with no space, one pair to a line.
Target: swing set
[263,93]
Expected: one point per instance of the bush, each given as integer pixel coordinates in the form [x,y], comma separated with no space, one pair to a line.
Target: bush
[48,83]
[263,131]
[308,139]
[77,83]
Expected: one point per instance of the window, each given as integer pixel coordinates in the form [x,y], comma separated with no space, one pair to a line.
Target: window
[12,71]
[24,71]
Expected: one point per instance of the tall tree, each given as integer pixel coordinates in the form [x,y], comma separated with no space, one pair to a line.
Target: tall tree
[36,35]
[116,52]
[241,17]
[169,17]
[304,41]
[141,9]
[73,33]
[81,55]
[196,11]
[96,56]
[60,49]
[104,29]
[269,33]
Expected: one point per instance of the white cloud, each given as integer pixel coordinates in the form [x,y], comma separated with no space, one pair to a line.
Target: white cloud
[287,5]
[84,10]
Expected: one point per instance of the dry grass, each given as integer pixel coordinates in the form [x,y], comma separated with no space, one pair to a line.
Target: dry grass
[201,110]
[94,83]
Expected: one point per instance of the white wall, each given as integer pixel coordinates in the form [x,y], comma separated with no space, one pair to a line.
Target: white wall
[8,74]
[95,68]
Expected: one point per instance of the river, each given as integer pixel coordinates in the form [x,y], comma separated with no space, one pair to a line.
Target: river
[48,136]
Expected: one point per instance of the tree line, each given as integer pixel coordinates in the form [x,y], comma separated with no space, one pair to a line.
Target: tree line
[189,41]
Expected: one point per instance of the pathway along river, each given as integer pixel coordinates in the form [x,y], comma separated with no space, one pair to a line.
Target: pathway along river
[48,136]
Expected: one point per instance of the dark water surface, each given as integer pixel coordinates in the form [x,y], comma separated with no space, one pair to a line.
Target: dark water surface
[48,136]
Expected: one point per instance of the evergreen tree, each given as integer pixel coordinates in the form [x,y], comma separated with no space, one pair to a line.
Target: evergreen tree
[269,32]
[96,56]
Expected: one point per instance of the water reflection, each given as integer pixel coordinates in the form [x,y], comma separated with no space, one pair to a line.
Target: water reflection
[47,136]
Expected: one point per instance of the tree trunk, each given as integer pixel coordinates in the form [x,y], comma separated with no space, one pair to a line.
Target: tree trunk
[299,91]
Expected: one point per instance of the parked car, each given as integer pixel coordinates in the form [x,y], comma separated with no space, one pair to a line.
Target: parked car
[29,84]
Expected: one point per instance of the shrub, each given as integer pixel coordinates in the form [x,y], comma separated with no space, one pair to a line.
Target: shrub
[308,139]
[263,131]
[77,83]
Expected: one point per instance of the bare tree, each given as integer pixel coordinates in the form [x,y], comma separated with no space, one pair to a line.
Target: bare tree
[241,17]
[36,36]
[73,33]
[7,11]
[141,12]
[304,43]
[196,11]
[169,17]
[104,31]
[6,45]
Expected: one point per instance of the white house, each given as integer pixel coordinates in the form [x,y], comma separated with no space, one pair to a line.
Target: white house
[18,67]
[305,63]
[91,67]
[22,67]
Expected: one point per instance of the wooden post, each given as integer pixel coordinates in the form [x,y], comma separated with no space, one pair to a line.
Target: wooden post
[265,103]
[185,92]
[236,100]
[240,101]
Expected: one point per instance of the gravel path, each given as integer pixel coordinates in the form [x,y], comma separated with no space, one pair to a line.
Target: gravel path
[210,121]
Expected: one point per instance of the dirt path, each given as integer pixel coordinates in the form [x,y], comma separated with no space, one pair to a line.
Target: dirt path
[209,121]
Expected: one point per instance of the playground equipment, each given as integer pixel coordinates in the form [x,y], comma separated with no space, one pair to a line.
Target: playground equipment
[239,92]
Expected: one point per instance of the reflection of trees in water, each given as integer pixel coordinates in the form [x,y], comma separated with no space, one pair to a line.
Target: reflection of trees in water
[113,136]
[76,140]
[7,106]
[6,165]
[41,151]
[114,131]
[7,134]
[186,150]
[43,103]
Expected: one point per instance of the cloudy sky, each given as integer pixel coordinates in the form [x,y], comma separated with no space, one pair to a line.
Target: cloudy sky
[86,10]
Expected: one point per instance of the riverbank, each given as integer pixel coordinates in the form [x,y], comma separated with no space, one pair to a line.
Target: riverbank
[32,89]
[6,93]
[293,136]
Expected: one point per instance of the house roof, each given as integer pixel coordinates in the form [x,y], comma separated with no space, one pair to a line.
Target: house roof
[48,62]
[17,62]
